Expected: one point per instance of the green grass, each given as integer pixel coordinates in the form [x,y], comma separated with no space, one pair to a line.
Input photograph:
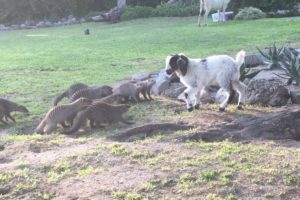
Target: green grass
[37,64]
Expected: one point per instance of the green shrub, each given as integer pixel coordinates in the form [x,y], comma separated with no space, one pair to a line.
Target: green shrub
[250,13]
[177,10]
[137,12]
[163,10]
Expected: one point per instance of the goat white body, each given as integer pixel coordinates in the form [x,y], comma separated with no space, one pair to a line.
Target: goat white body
[219,70]
[207,5]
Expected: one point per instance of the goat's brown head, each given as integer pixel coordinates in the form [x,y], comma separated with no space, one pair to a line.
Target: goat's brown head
[178,62]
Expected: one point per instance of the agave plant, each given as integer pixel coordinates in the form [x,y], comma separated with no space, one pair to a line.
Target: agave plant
[244,72]
[273,56]
[290,65]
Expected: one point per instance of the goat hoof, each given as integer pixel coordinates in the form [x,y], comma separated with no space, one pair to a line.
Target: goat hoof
[190,109]
[221,109]
[197,106]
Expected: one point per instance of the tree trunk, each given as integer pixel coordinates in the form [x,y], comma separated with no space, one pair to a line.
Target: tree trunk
[273,126]
[114,14]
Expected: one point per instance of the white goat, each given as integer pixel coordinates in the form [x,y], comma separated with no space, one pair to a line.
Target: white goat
[207,5]
[195,74]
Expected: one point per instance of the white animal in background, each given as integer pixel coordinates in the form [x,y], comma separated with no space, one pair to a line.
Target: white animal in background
[207,5]
[195,74]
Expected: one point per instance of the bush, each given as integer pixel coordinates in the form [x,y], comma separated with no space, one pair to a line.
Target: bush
[136,12]
[265,5]
[178,10]
[163,10]
[250,13]
[18,11]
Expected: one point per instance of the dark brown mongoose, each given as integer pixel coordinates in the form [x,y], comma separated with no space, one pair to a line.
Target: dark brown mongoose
[69,92]
[92,92]
[99,113]
[7,107]
[144,87]
[61,113]
[128,90]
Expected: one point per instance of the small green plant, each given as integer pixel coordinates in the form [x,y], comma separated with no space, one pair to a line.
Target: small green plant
[250,13]
[273,57]
[290,65]
[244,73]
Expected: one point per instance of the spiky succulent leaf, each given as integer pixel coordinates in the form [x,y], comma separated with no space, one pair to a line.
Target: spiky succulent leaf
[263,54]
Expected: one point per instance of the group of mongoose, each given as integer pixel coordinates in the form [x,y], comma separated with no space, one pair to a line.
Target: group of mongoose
[97,105]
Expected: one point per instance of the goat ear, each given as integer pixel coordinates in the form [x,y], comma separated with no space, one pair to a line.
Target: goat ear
[184,65]
[173,62]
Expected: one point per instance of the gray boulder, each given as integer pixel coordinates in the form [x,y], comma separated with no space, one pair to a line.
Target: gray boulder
[141,76]
[267,92]
[162,82]
[41,24]
[174,90]
[295,94]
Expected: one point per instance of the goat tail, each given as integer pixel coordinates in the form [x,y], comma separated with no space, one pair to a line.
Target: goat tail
[60,97]
[240,58]
[80,118]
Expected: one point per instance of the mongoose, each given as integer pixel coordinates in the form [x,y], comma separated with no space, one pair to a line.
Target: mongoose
[128,90]
[99,113]
[69,92]
[87,31]
[61,113]
[6,107]
[110,99]
[92,92]
[144,87]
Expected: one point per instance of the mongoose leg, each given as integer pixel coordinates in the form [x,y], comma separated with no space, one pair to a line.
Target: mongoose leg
[49,128]
[3,122]
[126,122]
[10,117]
[63,124]
[144,94]
[148,92]
[136,98]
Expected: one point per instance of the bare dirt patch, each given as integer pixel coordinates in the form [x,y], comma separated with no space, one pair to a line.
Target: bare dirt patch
[170,160]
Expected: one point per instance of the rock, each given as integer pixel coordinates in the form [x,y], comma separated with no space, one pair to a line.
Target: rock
[3,27]
[48,24]
[15,27]
[295,94]
[140,76]
[267,92]
[208,94]
[254,60]
[163,82]
[29,23]
[59,23]
[23,26]
[220,96]
[174,90]
[41,24]
[82,20]
[97,18]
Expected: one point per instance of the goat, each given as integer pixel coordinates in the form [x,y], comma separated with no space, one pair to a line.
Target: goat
[195,74]
[207,5]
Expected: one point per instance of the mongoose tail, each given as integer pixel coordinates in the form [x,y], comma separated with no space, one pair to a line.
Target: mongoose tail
[58,98]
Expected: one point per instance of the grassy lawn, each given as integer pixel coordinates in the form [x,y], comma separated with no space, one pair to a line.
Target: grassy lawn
[36,65]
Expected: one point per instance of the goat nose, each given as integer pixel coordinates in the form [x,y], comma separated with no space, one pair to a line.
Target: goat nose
[169,71]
